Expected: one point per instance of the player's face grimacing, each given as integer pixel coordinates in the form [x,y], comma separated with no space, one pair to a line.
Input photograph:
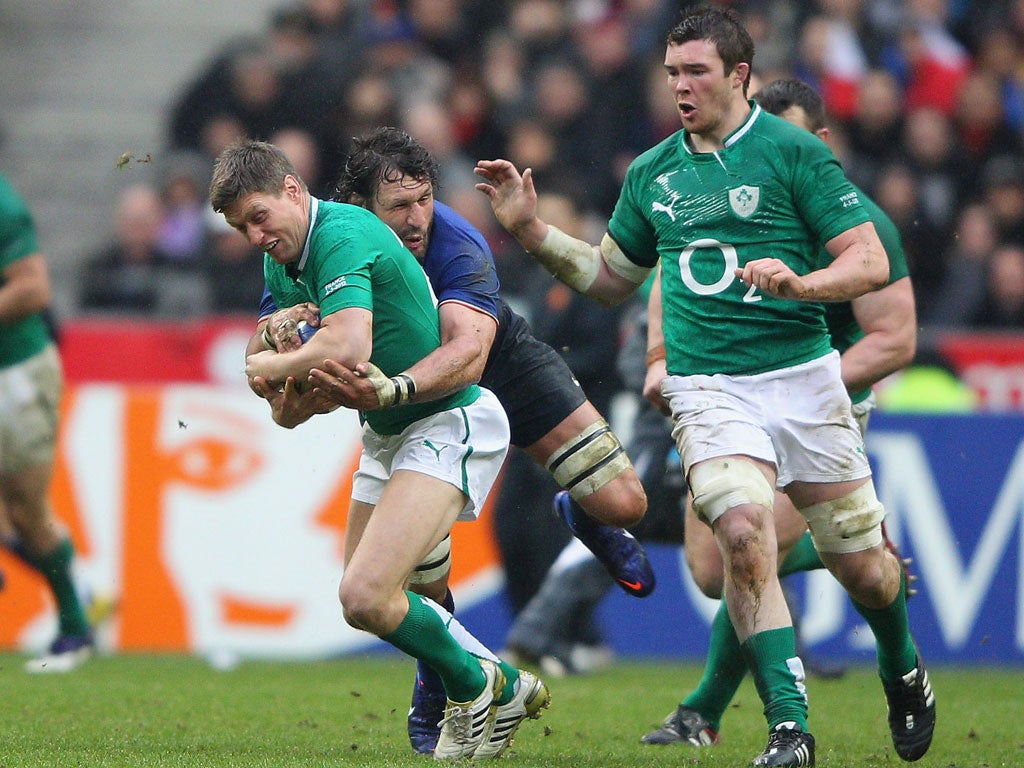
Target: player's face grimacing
[275,223]
[698,81]
[407,206]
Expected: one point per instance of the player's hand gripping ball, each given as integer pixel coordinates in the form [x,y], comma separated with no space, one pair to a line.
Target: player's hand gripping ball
[305,332]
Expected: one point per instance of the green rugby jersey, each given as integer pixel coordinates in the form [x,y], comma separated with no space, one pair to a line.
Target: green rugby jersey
[842,326]
[353,259]
[774,190]
[24,338]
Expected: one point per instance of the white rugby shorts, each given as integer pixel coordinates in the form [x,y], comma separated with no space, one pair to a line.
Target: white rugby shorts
[30,393]
[797,418]
[464,447]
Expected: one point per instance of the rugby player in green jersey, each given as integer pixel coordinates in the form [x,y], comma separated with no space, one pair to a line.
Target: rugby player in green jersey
[31,383]
[876,335]
[735,207]
[424,465]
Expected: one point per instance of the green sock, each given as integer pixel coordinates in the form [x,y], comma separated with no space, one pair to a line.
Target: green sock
[802,557]
[424,636]
[511,678]
[723,672]
[56,568]
[893,643]
[778,675]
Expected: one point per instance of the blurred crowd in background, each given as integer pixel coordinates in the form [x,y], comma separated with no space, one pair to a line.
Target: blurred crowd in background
[926,103]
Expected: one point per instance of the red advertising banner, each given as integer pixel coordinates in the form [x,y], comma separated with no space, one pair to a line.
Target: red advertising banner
[992,364]
[129,350]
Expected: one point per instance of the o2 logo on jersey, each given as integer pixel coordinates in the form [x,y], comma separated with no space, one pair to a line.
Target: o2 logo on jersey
[744,200]
[731,263]
[690,280]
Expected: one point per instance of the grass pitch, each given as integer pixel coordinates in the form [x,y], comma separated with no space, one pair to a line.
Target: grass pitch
[140,711]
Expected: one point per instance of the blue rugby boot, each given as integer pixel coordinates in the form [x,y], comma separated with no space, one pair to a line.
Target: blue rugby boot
[616,548]
[427,709]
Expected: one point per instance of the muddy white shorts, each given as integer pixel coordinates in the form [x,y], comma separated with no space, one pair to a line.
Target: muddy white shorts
[797,418]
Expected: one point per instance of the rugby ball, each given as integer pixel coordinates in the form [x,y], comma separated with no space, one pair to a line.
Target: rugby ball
[305,331]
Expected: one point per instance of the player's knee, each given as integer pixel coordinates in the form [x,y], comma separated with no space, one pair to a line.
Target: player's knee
[742,537]
[869,588]
[622,502]
[25,515]
[721,484]
[703,558]
[868,576]
[362,606]
[851,523]
[36,525]
[590,462]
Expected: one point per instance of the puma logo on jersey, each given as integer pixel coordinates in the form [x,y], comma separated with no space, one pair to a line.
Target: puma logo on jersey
[656,206]
[434,448]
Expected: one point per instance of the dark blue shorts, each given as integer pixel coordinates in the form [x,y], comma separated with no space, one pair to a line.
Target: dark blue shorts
[533,383]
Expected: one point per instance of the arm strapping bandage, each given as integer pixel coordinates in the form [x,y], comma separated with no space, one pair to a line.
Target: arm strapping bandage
[574,262]
[619,263]
[577,264]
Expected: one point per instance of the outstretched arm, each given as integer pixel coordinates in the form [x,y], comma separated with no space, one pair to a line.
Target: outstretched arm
[603,273]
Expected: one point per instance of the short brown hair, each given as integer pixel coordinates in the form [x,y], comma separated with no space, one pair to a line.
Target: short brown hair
[721,26]
[248,166]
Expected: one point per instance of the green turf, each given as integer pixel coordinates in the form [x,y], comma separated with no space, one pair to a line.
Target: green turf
[177,711]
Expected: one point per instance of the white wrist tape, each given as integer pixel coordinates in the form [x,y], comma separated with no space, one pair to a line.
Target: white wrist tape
[390,392]
[405,388]
[267,338]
